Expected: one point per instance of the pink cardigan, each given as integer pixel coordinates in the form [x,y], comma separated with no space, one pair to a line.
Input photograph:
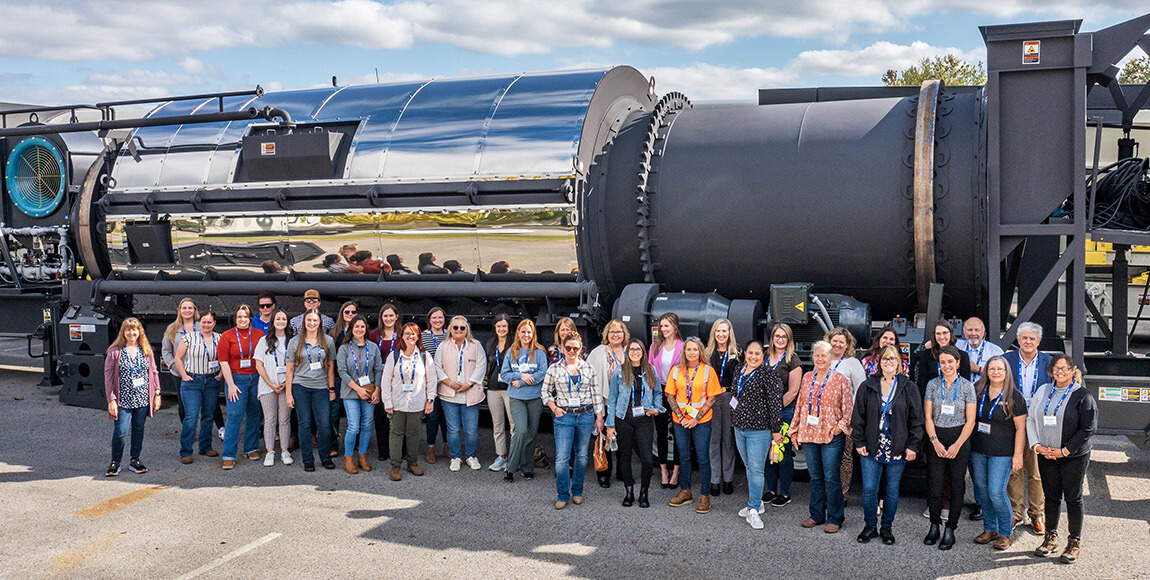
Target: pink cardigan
[112,378]
[653,354]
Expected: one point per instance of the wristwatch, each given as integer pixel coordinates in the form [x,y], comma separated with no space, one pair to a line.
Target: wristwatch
[933,438]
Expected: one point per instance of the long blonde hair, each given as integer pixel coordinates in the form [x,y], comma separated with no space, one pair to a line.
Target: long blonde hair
[467,338]
[319,335]
[732,344]
[849,351]
[790,350]
[174,327]
[607,328]
[516,349]
[141,341]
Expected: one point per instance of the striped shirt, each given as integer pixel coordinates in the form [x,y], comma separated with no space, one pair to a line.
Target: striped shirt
[201,353]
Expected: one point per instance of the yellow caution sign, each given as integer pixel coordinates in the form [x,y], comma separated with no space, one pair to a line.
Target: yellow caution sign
[801,306]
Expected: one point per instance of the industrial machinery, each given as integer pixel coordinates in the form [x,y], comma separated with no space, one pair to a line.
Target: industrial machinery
[586,194]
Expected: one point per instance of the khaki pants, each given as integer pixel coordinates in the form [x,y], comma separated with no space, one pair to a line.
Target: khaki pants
[1026,477]
[404,425]
[500,406]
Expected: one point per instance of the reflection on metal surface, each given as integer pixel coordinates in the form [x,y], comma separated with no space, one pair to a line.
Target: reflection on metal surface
[529,240]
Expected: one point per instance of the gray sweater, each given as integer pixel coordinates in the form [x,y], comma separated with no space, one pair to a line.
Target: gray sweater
[369,365]
[304,375]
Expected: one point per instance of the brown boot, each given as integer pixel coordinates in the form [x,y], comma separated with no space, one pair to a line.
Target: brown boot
[985,537]
[349,465]
[1049,545]
[414,469]
[704,505]
[1070,554]
[363,464]
[1003,542]
[431,454]
[683,498]
[396,474]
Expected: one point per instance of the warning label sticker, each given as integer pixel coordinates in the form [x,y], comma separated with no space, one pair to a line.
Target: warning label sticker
[268,148]
[1124,394]
[1031,51]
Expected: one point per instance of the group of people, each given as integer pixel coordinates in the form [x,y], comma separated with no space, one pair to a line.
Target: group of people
[1013,419]
[351,260]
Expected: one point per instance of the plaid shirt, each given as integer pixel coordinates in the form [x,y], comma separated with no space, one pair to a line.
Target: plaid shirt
[558,387]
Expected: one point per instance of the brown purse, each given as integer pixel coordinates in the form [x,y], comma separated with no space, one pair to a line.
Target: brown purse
[600,454]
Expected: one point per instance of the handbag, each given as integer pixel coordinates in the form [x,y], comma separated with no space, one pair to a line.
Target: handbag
[600,454]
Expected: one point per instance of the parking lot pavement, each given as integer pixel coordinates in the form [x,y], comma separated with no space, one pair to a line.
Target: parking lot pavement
[64,519]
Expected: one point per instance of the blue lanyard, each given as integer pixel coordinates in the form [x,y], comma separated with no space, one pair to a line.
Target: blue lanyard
[954,395]
[1050,396]
[572,383]
[366,364]
[723,367]
[401,357]
[497,365]
[1033,387]
[434,341]
[985,396]
[394,334]
[215,345]
[981,347]
[307,349]
[777,363]
[691,382]
[240,345]
[836,369]
[742,377]
[643,382]
[888,401]
[615,358]
[137,366]
[819,410]
[459,375]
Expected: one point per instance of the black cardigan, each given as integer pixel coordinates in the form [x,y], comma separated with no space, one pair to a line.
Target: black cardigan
[906,416]
[1079,422]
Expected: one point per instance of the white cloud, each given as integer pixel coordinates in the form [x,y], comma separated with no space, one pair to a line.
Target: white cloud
[873,60]
[706,82]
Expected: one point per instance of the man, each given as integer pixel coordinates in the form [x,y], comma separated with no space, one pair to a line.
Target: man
[1028,365]
[310,301]
[267,303]
[976,346]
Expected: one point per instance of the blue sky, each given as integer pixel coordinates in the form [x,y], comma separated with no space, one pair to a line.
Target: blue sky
[62,52]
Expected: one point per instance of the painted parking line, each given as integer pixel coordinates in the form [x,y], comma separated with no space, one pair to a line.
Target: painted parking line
[229,557]
[110,505]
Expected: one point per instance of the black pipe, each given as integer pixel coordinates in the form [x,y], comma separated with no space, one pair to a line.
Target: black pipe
[247,114]
[437,289]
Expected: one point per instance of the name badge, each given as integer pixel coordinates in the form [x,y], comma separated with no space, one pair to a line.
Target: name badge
[691,411]
[1050,420]
[984,428]
[409,387]
[364,381]
[637,411]
[282,372]
[813,420]
[734,402]
[315,366]
[214,366]
[140,382]
[948,409]
[245,363]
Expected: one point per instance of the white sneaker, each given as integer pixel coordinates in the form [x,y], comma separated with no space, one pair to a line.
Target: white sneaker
[221,432]
[473,463]
[269,459]
[499,465]
[286,458]
[944,515]
[456,463]
[744,512]
[754,519]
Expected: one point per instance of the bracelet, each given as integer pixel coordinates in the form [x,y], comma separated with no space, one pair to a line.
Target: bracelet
[933,438]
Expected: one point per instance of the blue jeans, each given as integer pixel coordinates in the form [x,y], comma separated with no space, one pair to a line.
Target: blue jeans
[779,475]
[360,420]
[754,446]
[991,474]
[246,410]
[466,418]
[572,436]
[872,473]
[199,396]
[701,435]
[823,463]
[125,417]
[435,423]
[312,404]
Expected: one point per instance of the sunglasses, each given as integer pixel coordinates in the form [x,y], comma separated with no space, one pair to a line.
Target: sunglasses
[351,312]
[262,306]
[571,348]
[311,299]
[458,328]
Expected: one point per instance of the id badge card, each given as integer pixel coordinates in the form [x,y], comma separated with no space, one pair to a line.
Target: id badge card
[245,363]
[316,366]
[1050,420]
[637,411]
[690,411]
[948,410]
[140,382]
[813,420]
[364,381]
[734,403]
[282,372]
[409,387]
[214,366]
[984,427]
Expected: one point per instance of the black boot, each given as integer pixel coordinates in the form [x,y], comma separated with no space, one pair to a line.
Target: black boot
[728,488]
[714,490]
[629,499]
[947,541]
[643,503]
[931,536]
[868,533]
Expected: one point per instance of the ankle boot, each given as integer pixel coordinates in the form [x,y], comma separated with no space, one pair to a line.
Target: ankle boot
[363,464]
[349,465]
[947,541]
[932,536]
[629,498]
[643,501]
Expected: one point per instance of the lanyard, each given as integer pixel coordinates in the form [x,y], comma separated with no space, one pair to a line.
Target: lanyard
[954,395]
[613,357]
[215,345]
[819,410]
[981,347]
[401,359]
[497,365]
[139,365]
[1050,396]
[985,396]
[1034,386]
[777,363]
[307,349]
[459,375]
[836,369]
[691,381]
[394,334]
[723,367]
[366,364]
[742,377]
[572,384]
[240,345]
[642,378]
[435,341]
[888,401]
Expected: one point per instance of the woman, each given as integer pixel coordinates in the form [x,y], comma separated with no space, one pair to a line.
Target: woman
[408,387]
[523,371]
[461,366]
[664,354]
[926,365]
[132,386]
[311,374]
[949,409]
[692,389]
[497,401]
[782,361]
[632,402]
[820,429]
[564,328]
[360,367]
[435,335]
[384,336]
[606,359]
[1061,421]
[571,392]
[886,429]
[886,337]
[185,323]
[195,362]
[996,449]
[340,333]
[271,364]
[843,352]
[757,414]
[237,351]
[723,354]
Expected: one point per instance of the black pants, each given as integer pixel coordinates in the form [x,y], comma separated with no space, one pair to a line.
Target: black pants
[938,476]
[1062,479]
[662,427]
[383,432]
[634,436]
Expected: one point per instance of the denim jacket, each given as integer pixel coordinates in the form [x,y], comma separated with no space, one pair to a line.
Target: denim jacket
[620,406]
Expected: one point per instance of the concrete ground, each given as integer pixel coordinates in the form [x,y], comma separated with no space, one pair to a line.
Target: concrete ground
[62,518]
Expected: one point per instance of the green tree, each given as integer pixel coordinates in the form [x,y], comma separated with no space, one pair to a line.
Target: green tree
[1136,71]
[948,68]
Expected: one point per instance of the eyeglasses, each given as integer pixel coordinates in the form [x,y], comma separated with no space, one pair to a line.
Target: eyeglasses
[458,328]
[615,332]
[890,358]
[571,348]
[262,306]
[1061,369]
[635,349]
[351,312]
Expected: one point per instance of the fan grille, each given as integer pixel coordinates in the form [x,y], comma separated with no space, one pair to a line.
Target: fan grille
[35,176]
